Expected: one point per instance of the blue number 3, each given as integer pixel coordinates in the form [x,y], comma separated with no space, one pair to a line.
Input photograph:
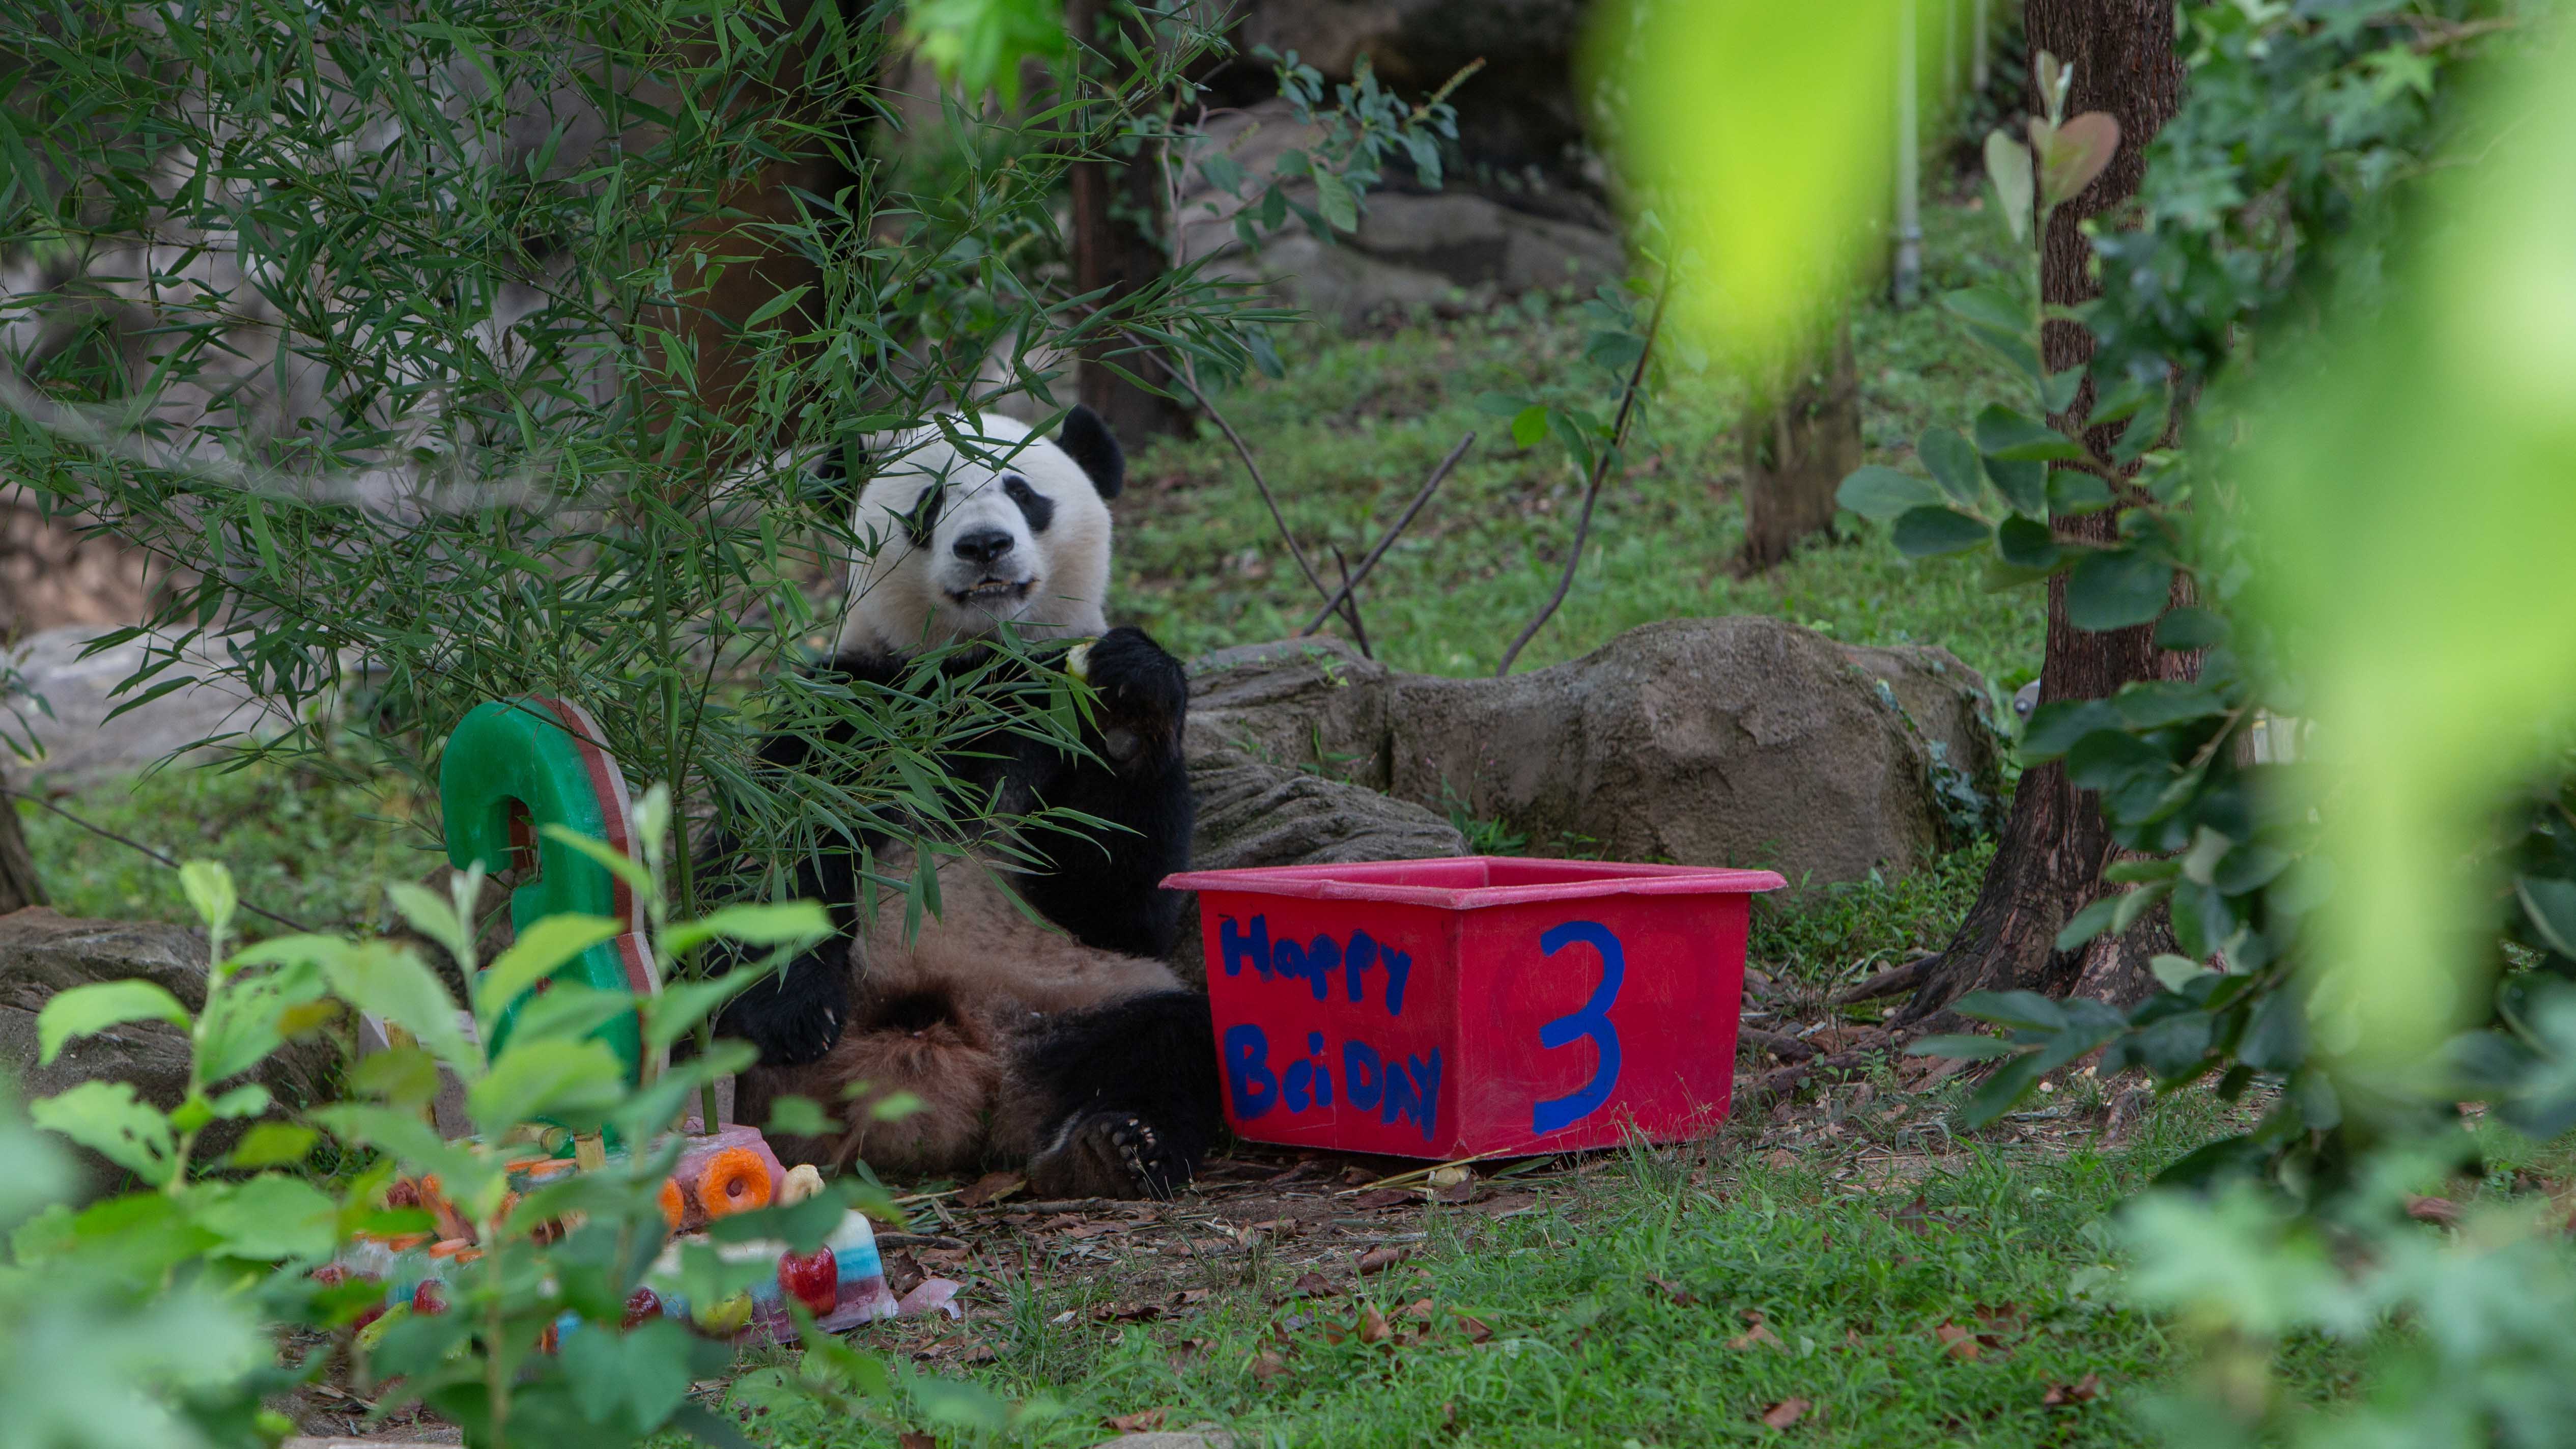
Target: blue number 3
[1592,1019]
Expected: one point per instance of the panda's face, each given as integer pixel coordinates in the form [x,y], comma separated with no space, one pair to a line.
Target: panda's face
[998,526]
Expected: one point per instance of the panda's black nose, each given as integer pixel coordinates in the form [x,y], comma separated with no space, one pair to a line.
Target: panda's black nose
[983,545]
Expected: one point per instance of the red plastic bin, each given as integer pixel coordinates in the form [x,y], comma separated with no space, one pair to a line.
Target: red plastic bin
[1474,1006]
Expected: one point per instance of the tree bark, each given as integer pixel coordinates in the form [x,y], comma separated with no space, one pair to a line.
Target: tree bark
[1116,206]
[1798,448]
[19,885]
[2049,863]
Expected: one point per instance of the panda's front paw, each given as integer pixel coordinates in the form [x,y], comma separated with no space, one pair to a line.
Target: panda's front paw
[1142,687]
[793,1020]
[1109,1154]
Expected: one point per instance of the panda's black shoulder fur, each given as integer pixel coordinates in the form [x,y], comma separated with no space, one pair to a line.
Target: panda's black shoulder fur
[1102,886]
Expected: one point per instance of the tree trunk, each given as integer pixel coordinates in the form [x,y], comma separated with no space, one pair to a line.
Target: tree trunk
[2049,863]
[1798,448]
[19,886]
[1116,204]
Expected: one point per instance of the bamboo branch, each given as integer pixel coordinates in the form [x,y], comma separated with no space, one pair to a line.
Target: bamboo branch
[1592,489]
[1403,521]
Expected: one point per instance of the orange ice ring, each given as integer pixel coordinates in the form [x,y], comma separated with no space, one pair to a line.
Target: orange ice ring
[675,1209]
[735,1180]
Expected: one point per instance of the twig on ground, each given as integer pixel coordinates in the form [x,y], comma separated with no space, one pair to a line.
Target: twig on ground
[1592,488]
[1351,605]
[1888,982]
[1244,451]
[1403,521]
[104,833]
[1777,1043]
[1780,1082]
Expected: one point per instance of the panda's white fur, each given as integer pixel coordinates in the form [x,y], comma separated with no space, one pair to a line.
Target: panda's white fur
[909,593]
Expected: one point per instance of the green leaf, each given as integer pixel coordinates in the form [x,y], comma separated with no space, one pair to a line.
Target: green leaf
[623,867]
[1501,404]
[1952,462]
[435,917]
[1882,493]
[794,924]
[1334,199]
[391,982]
[2000,1092]
[2018,438]
[895,1106]
[2072,492]
[1529,426]
[209,889]
[2136,904]
[1971,1048]
[794,1116]
[272,1144]
[1990,308]
[2551,906]
[2087,923]
[549,1077]
[683,1004]
[635,1379]
[775,305]
[2175,972]
[2057,390]
[2191,627]
[247,1100]
[110,1120]
[2056,726]
[405,1076]
[2025,1009]
[2117,589]
[2152,704]
[247,1019]
[539,952]
[1925,532]
[2008,168]
[270,1218]
[2026,543]
[2071,155]
[412,1142]
[2023,485]
[92,1008]
[979,44]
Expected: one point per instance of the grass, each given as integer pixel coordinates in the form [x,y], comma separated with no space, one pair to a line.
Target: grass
[1360,421]
[314,849]
[1624,1310]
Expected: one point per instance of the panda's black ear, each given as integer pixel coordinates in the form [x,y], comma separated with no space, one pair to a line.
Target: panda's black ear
[1087,440]
[828,485]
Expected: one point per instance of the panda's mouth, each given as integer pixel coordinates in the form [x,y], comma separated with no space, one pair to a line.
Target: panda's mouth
[987,592]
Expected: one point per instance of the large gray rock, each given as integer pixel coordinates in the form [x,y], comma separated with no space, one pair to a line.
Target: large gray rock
[78,739]
[1744,741]
[42,952]
[1250,812]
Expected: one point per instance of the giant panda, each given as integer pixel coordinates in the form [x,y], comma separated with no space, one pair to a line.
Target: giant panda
[1063,1045]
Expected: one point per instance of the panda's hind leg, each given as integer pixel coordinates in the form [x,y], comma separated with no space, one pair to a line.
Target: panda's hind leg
[1118,1100]
[918,1045]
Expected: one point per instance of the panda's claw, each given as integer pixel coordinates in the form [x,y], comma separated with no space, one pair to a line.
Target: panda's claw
[793,1021]
[1109,1154]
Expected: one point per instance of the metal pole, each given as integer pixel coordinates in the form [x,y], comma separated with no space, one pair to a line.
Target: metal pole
[1980,37]
[1909,214]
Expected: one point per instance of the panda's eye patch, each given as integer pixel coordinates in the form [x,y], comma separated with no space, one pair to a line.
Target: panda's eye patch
[1036,507]
[923,516]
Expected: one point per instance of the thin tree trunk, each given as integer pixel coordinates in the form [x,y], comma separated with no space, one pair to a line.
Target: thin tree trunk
[1115,204]
[1798,448]
[19,885]
[2049,863]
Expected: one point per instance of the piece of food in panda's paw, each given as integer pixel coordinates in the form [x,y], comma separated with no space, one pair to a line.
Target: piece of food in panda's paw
[1077,660]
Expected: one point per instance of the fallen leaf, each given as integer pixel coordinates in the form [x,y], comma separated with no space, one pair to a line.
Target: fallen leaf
[1681,1296]
[1759,1335]
[1314,1285]
[1268,1366]
[2083,1391]
[1378,1260]
[1464,1192]
[1452,1176]
[1187,1352]
[1188,1296]
[991,1187]
[1958,1342]
[1355,1175]
[2432,1209]
[1278,1227]
[1419,1310]
[931,1295]
[902,1273]
[1912,1217]
[1474,1328]
[1385,1197]
[2002,1318]
[911,1440]
[1372,1325]
[1785,1413]
[1126,1312]
[1782,1157]
[1143,1421]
